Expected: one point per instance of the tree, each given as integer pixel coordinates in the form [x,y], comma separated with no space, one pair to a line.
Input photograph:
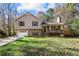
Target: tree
[41,15]
[11,13]
[69,12]
[50,11]
[66,12]
[49,14]
[8,14]
[70,9]
[3,17]
[73,25]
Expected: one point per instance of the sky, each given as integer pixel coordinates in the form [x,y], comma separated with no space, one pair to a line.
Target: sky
[33,8]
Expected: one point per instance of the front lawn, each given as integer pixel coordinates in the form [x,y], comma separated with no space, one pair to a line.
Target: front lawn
[36,46]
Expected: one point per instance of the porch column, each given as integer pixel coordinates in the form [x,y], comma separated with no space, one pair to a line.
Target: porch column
[61,27]
[50,28]
[46,30]
[62,34]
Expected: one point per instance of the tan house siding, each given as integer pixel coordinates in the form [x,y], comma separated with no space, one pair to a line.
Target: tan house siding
[30,32]
[28,19]
[28,22]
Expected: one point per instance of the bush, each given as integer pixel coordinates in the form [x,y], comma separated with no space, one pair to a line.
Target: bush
[73,25]
[2,34]
[12,34]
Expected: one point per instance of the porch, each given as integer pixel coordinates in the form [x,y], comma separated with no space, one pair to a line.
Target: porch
[53,29]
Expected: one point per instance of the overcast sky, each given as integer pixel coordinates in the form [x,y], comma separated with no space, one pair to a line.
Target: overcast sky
[33,8]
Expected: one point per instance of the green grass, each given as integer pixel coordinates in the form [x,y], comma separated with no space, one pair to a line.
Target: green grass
[41,46]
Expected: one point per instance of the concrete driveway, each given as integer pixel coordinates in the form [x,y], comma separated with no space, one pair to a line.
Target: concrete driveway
[8,40]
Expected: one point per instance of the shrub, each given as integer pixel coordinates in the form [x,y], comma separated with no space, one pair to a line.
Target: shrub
[73,25]
[2,34]
[12,34]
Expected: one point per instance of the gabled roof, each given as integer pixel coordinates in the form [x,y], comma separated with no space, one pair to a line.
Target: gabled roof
[25,15]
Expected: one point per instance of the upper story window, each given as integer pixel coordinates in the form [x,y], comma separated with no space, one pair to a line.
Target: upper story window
[34,23]
[21,23]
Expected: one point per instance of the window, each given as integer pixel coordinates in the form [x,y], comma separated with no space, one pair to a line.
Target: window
[21,23]
[35,33]
[34,23]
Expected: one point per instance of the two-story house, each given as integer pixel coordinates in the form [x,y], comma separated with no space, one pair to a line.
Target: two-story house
[30,25]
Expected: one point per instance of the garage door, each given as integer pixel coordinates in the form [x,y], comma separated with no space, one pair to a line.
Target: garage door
[22,33]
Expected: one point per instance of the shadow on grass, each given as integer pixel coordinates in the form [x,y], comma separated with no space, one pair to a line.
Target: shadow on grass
[73,49]
[33,51]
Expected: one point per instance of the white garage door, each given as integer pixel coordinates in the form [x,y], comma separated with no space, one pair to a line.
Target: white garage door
[22,33]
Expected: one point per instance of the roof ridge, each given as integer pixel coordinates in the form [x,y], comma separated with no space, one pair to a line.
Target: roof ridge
[27,14]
